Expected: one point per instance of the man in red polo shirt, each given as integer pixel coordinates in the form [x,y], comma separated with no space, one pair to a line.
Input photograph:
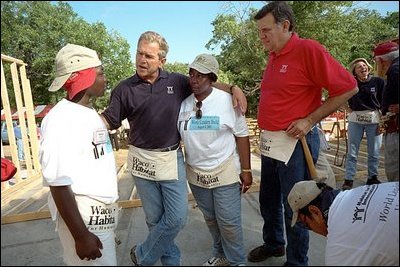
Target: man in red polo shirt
[290,106]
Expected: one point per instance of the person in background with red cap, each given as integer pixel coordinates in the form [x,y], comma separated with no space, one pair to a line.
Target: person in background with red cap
[364,116]
[78,162]
[386,56]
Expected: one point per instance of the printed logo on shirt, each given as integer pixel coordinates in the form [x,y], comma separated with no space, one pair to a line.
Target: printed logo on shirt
[373,90]
[390,203]
[284,68]
[208,123]
[102,218]
[361,208]
[170,90]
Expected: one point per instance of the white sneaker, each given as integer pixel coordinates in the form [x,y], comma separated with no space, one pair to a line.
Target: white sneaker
[214,261]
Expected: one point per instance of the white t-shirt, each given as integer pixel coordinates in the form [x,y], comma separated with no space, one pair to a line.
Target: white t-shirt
[210,140]
[75,150]
[363,227]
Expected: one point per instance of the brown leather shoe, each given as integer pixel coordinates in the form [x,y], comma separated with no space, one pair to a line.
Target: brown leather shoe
[133,256]
[348,184]
[262,253]
[373,180]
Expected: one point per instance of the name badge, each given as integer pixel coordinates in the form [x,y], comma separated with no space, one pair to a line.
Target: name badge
[100,136]
[206,123]
[277,145]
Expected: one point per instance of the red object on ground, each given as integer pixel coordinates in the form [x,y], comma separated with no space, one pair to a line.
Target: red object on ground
[8,169]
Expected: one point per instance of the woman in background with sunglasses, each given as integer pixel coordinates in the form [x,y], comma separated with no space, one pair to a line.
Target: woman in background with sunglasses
[217,153]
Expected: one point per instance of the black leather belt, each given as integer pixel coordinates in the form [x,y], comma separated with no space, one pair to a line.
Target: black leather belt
[170,148]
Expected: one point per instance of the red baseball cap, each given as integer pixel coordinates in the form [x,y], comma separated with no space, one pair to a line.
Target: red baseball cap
[385,48]
[79,81]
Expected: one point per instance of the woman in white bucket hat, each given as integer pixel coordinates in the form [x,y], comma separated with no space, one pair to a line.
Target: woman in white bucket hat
[364,116]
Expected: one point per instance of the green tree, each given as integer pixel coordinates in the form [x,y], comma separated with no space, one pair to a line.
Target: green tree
[183,68]
[392,19]
[346,31]
[177,67]
[34,31]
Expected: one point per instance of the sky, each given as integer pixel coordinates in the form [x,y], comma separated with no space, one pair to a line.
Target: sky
[186,25]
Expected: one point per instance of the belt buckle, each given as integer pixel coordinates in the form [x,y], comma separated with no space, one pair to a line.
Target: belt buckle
[165,149]
[170,148]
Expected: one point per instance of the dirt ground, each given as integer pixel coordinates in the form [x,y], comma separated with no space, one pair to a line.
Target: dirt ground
[120,157]
[122,153]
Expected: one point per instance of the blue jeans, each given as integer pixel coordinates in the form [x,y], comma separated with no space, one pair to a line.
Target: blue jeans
[165,205]
[20,148]
[277,179]
[221,208]
[391,141]
[355,133]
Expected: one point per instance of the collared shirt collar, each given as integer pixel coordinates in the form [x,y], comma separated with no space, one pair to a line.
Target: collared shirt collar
[288,46]
[162,75]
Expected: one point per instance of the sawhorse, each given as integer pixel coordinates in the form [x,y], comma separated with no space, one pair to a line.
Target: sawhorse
[336,124]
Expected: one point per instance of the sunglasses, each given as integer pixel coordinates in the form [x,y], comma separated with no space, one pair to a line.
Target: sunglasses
[199,113]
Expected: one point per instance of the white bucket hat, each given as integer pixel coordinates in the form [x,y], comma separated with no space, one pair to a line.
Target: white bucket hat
[354,62]
[205,64]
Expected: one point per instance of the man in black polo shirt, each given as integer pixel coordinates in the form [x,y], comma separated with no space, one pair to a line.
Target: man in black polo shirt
[151,100]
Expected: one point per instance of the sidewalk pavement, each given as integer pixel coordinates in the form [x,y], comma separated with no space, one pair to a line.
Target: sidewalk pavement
[35,243]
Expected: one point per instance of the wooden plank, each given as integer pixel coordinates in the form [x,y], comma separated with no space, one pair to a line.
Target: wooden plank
[122,171]
[21,115]
[26,89]
[44,207]
[13,191]
[23,187]
[133,194]
[10,130]
[27,202]
[28,216]
[11,60]
[132,203]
